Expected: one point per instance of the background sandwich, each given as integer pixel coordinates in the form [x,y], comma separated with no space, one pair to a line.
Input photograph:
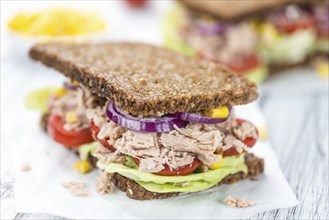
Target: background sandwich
[250,36]
[164,122]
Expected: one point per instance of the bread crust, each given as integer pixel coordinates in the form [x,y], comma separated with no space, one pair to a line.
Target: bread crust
[147,80]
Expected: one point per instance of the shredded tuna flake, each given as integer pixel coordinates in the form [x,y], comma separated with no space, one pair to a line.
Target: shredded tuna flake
[76,188]
[104,183]
[238,202]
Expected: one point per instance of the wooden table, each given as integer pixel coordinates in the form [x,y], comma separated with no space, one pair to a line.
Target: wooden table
[298,131]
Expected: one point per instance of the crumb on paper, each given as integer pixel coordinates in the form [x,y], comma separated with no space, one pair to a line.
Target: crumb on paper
[263,133]
[238,202]
[76,188]
[25,167]
[253,179]
[104,183]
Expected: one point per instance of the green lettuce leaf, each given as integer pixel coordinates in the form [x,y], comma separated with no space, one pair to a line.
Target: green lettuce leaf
[288,49]
[257,75]
[37,100]
[193,186]
[322,45]
[170,27]
[87,149]
[131,163]
[190,183]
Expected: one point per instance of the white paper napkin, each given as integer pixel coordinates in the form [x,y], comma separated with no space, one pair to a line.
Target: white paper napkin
[40,190]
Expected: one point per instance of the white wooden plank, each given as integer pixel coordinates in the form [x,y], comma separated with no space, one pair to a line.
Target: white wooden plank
[299,134]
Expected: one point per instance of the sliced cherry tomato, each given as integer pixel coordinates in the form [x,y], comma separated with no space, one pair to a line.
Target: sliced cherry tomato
[136,3]
[323,33]
[245,63]
[250,142]
[289,26]
[69,139]
[94,131]
[180,171]
[323,30]
[241,65]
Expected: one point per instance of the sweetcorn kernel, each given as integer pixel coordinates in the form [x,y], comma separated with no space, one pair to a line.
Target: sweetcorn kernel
[269,32]
[71,117]
[220,112]
[60,92]
[322,69]
[218,164]
[75,83]
[82,166]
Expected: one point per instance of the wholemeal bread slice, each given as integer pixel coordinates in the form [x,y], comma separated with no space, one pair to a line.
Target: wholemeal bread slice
[228,9]
[135,191]
[147,80]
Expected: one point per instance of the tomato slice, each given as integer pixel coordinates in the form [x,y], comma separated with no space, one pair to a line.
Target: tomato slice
[322,29]
[94,132]
[323,32]
[70,139]
[180,171]
[241,65]
[250,142]
[244,64]
[289,26]
[136,3]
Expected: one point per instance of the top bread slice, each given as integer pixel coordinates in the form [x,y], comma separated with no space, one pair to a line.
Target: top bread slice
[229,9]
[147,80]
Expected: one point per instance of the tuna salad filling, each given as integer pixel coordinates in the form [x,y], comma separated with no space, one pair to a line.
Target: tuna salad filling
[225,46]
[180,152]
[218,41]
[71,105]
[282,36]
[180,147]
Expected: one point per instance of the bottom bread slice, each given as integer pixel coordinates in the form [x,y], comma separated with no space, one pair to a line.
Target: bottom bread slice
[135,191]
[278,68]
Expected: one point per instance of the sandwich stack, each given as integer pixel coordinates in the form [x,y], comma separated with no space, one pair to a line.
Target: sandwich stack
[163,123]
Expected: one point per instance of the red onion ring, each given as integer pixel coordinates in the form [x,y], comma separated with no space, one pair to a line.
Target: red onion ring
[70,87]
[289,13]
[321,13]
[199,118]
[163,124]
[211,28]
